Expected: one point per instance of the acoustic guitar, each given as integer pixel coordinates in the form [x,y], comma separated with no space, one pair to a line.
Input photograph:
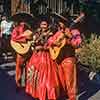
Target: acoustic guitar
[21,47]
[56,48]
[61,40]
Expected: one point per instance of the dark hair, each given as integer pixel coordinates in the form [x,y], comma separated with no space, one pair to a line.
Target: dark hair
[66,23]
[44,17]
[4,15]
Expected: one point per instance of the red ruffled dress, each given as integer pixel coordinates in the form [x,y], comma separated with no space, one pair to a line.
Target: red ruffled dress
[67,64]
[42,80]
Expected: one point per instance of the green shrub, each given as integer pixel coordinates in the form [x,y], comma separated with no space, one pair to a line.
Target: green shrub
[89,54]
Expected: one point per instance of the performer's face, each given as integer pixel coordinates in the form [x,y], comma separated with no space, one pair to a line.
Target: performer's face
[61,24]
[43,25]
[4,18]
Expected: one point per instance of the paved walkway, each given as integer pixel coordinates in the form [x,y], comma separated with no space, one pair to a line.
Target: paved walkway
[7,82]
[87,89]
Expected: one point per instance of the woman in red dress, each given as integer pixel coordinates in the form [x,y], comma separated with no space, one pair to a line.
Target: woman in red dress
[18,35]
[41,71]
[66,59]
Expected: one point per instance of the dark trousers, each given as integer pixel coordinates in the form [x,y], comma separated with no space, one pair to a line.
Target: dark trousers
[5,43]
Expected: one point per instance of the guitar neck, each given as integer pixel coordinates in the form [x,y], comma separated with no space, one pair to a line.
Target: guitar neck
[79,18]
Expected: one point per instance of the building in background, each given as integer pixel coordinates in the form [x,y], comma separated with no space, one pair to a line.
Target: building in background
[36,7]
[58,6]
[42,6]
[5,6]
[18,6]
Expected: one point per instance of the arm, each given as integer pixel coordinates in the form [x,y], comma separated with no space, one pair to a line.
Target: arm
[16,37]
[27,34]
[53,39]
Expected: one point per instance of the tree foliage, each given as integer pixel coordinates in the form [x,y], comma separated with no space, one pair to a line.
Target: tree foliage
[90,53]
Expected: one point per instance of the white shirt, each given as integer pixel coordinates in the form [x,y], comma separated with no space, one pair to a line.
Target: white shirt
[6,27]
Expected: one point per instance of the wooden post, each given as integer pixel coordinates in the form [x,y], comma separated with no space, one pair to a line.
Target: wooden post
[13,6]
[18,6]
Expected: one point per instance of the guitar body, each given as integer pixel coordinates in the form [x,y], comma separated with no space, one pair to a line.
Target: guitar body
[21,48]
[55,50]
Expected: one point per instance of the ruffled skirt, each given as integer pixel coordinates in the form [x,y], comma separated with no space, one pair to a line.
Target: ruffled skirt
[42,77]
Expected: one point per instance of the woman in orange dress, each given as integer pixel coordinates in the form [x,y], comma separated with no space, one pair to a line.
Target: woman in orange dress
[66,59]
[17,35]
[41,71]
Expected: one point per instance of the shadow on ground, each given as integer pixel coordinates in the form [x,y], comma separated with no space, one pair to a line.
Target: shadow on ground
[87,88]
[7,88]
